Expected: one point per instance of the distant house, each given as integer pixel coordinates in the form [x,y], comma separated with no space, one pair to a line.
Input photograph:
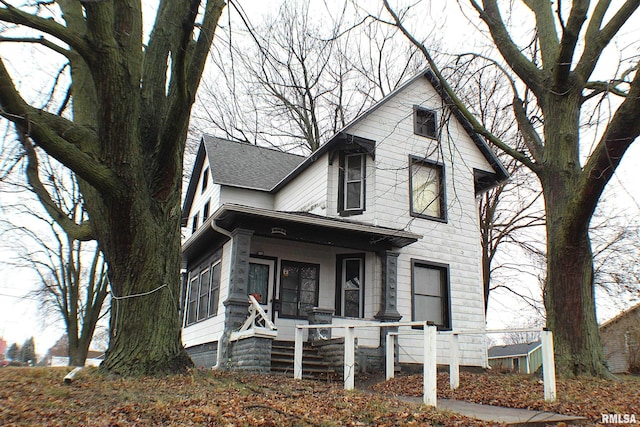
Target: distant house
[621,341]
[380,224]
[58,355]
[519,358]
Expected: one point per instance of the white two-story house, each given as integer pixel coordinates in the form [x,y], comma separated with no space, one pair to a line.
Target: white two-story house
[380,224]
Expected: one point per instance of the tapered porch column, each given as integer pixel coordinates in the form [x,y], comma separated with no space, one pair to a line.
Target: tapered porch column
[237,302]
[389,304]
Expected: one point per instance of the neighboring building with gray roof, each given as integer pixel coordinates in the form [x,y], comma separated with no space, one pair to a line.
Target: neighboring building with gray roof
[525,358]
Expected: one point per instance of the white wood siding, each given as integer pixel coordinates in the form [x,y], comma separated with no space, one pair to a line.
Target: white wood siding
[243,196]
[211,194]
[307,192]
[454,242]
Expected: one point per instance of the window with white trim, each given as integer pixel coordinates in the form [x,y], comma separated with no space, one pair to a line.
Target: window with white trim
[203,293]
[351,194]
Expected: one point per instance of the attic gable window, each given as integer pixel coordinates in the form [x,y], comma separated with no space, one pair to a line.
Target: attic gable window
[424,122]
[351,193]
[205,179]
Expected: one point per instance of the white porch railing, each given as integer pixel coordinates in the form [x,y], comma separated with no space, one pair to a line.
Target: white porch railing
[257,323]
[429,353]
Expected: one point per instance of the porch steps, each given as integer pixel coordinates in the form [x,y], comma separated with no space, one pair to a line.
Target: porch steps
[313,365]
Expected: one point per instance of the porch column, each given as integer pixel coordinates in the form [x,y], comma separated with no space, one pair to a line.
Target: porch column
[389,304]
[237,303]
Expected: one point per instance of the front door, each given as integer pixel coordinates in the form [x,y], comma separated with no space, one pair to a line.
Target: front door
[261,278]
[299,285]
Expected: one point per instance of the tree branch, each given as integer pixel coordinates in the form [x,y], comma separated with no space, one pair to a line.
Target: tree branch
[597,39]
[48,26]
[75,231]
[477,126]
[523,67]
[57,136]
[620,133]
[571,31]
[546,30]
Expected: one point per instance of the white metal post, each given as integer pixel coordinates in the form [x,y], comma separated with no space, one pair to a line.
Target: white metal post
[391,357]
[548,367]
[429,374]
[454,363]
[297,355]
[349,358]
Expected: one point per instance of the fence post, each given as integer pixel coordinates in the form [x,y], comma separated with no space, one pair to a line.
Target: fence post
[429,374]
[548,366]
[349,358]
[454,363]
[390,358]
[297,355]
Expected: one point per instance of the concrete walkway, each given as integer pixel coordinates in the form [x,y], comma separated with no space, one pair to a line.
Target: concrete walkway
[498,414]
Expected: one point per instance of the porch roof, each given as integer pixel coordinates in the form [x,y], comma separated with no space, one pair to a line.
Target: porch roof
[304,227]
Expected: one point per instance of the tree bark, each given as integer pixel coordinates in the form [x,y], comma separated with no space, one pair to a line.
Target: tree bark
[569,291]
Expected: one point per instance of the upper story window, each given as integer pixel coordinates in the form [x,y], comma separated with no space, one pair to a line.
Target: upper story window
[351,193]
[424,122]
[426,182]
[430,293]
[205,179]
[205,210]
[194,224]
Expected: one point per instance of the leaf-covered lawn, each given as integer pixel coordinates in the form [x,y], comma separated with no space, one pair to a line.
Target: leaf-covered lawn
[38,396]
[584,397]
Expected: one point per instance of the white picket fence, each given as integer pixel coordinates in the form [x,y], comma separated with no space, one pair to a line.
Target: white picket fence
[429,355]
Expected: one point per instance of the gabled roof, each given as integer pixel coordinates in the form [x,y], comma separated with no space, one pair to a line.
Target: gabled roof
[239,164]
[620,316]
[512,350]
[343,135]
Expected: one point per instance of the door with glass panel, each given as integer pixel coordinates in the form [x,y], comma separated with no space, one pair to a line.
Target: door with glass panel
[299,284]
[261,275]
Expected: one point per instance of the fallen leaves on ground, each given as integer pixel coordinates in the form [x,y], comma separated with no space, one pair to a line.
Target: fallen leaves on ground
[38,396]
[586,397]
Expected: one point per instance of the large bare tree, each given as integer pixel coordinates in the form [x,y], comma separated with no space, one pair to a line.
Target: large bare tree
[556,100]
[131,95]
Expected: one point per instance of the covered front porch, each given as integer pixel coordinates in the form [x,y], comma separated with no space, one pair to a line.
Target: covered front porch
[301,269]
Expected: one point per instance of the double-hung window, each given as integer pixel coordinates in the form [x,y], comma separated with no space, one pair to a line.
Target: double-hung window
[426,181]
[352,184]
[430,293]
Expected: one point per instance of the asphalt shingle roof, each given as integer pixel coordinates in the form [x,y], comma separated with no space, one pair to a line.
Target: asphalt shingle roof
[512,350]
[245,165]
